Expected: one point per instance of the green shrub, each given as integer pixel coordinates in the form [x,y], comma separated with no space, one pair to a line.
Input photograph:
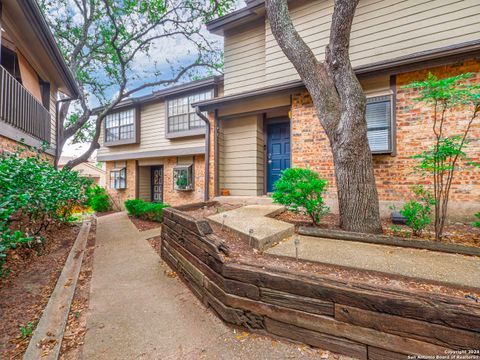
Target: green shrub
[33,195]
[418,214]
[477,223]
[145,210]
[98,199]
[301,191]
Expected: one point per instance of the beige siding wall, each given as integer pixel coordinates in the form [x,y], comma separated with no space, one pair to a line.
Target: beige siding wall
[382,30]
[144,185]
[152,134]
[245,59]
[241,156]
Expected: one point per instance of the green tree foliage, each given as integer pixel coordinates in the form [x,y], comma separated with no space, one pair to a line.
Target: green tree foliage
[98,199]
[440,162]
[108,45]
[33,196]
[301,191]
[145,210]
[419,213]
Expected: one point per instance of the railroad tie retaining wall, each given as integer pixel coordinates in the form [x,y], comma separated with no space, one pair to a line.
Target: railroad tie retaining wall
[358,320]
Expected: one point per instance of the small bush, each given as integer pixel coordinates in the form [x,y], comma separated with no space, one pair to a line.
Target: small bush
[145,210]
[418,214]
[98,199]
[301,191]
[477,223]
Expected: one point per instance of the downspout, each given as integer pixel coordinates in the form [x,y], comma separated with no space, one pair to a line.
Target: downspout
[207,152]
[57,121]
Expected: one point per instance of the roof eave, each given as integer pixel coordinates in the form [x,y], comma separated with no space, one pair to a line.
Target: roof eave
[236,18]
[33,13]
[167,92]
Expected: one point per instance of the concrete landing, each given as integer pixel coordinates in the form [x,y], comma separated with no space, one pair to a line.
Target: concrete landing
[244,220]
[244,200]
[453,269]
[140,310]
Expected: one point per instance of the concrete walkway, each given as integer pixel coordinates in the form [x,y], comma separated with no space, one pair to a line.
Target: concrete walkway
[138,312]
[436,266]
[252,224]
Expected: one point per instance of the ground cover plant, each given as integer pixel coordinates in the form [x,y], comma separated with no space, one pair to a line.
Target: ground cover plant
[418,214]
[440,162]
[145,210]
[477,223]
[98,199]
[301,191]
[34,195]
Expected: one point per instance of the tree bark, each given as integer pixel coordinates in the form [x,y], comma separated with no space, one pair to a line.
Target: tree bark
[340,104]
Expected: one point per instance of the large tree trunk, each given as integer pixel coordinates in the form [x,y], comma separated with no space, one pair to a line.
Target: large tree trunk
[340,104]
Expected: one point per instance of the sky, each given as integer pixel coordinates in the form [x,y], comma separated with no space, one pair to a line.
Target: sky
[159,53]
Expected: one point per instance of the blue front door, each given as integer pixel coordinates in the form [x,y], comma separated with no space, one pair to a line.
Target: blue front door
[278,151]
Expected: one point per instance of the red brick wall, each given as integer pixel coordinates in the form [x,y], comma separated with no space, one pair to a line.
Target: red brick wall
[121,195]
[310,146]
[174,197]
[171,196]
[10,145]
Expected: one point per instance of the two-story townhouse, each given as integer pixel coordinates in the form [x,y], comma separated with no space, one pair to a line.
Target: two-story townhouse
[265,121]
[154,146]
[32,73]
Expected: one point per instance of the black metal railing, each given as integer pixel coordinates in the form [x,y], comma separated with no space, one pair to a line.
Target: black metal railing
[21,109]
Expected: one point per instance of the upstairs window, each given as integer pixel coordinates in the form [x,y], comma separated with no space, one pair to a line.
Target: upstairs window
[181,115]
[120,127]
[379,124]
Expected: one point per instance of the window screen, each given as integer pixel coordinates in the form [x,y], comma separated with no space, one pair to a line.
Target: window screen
[379,123]
[181,114]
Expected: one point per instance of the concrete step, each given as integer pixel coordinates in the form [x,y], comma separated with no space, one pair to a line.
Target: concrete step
[253,224]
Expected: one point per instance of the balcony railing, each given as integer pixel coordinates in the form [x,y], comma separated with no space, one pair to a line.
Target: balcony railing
[21,109]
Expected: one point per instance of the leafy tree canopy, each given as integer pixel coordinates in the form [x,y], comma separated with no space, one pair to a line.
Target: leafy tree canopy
[117,48]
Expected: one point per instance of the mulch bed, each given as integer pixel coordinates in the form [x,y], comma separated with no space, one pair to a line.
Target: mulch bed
[105,213]
[143,225]
[241,252]
[74,336]
[24,293]
[454,233]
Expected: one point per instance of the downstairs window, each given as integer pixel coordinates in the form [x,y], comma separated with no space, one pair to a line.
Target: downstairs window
[118,179]
[379,124]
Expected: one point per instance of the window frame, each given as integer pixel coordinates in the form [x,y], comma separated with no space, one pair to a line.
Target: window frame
[135,139]
[190,174]
[391,135]
[191,131]
[113,178]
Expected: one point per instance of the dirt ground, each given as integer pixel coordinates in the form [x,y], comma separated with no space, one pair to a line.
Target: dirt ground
[241,252]
[74,336]
[454,233]
[24,293]
[143,225]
